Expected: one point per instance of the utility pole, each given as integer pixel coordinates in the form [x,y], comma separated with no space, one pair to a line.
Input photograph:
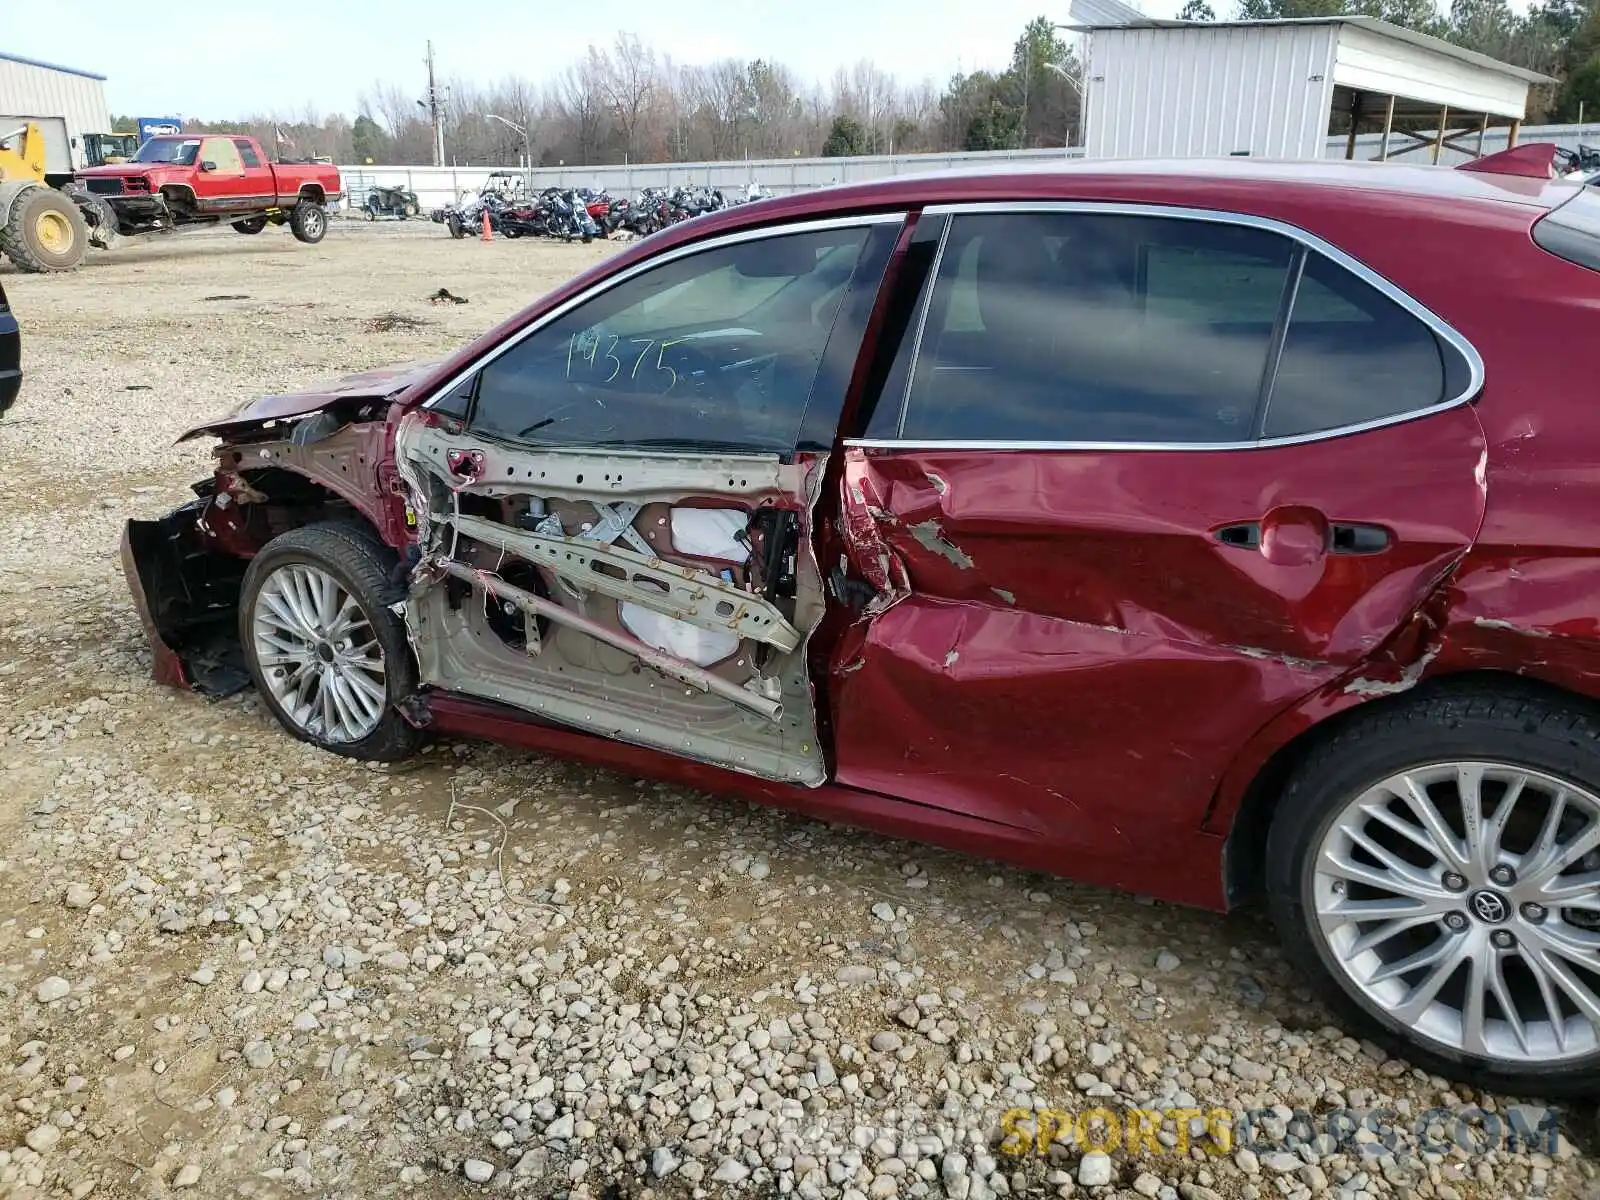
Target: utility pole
[434,112]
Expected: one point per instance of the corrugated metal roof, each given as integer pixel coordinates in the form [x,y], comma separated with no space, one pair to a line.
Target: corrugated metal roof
[34,62]
[1383,28]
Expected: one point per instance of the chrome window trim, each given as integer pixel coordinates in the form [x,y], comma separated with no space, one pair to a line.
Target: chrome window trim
[1440,327]
[734,238]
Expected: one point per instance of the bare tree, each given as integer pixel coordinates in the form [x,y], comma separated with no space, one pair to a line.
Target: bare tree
[630,86]
[725,101]
[581,95]
[627,101]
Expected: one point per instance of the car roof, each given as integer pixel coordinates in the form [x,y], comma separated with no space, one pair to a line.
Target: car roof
[1247,185]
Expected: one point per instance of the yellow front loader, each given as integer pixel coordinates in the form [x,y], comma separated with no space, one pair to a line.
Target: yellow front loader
[41,229]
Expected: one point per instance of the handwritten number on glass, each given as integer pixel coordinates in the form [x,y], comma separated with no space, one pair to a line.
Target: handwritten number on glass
[583,350]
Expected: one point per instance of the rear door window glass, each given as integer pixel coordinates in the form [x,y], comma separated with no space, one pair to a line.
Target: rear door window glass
[1080,327]
[1086,327]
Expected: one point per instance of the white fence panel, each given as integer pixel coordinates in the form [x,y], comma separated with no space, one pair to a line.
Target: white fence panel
[438,186]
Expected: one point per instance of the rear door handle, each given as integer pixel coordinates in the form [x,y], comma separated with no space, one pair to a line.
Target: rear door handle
[1346,538]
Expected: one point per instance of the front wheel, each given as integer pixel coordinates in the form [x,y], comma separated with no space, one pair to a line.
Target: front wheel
[327,654]
[1436,867]
[308,222]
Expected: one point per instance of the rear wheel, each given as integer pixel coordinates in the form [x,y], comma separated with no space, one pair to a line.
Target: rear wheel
[44,231]
[453,224]
[308,222]
[250,225]
[1437,866]
[327,654]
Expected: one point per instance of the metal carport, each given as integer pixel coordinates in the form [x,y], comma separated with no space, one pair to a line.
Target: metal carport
[1160,88]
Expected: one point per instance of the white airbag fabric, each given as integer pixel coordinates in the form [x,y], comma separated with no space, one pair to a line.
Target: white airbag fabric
[710,533]
[702,647]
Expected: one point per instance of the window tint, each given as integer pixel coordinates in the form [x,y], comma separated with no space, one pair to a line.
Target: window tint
[1088,327]
[1352,355]
[722,347]
[247,152]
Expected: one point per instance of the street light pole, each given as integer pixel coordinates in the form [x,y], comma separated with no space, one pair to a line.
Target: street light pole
[527,147]
[434,112]
[1083,99]
[1077,82]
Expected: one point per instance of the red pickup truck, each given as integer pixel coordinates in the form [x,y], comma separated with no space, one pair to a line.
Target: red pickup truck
[193,179]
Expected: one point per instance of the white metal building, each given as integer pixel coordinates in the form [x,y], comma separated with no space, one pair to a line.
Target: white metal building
[1159,88]
[65,103]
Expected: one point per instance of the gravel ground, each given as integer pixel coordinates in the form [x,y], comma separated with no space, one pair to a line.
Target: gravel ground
[230,965]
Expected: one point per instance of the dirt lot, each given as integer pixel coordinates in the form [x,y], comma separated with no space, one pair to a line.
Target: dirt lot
[230,965]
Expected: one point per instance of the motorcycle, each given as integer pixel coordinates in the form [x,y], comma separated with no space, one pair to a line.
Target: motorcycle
[566,216]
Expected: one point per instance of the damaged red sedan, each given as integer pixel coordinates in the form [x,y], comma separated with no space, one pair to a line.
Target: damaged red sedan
[1209,530]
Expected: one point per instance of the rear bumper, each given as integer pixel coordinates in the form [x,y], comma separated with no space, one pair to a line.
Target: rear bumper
[187,596]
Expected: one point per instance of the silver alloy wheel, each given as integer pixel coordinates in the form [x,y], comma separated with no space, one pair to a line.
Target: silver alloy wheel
[319,654]
[1463,899]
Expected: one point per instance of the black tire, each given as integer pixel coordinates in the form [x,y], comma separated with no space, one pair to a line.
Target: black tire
[103,233]
[453,224]
[1507,723]
[308,221]
[44,231]
[250,225]
[363,566]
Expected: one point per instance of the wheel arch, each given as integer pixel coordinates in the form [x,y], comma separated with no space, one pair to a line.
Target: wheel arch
[313,192]
[186,568]
[1244,811]
[178,193]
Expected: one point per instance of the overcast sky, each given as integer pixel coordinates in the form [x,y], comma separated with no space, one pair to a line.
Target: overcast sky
[221,60]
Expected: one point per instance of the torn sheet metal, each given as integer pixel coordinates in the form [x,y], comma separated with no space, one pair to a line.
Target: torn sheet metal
[862,518]
[1072,643]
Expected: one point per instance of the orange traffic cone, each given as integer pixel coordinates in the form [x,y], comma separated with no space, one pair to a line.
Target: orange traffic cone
[487,235]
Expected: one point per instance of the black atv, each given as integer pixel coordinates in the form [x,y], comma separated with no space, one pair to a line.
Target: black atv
[391,202]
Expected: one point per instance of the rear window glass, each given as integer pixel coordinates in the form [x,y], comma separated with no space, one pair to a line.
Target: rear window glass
[1352,355]
[1572,231]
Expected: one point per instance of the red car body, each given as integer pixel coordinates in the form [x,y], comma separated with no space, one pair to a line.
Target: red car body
[1079,674]
[211,177]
